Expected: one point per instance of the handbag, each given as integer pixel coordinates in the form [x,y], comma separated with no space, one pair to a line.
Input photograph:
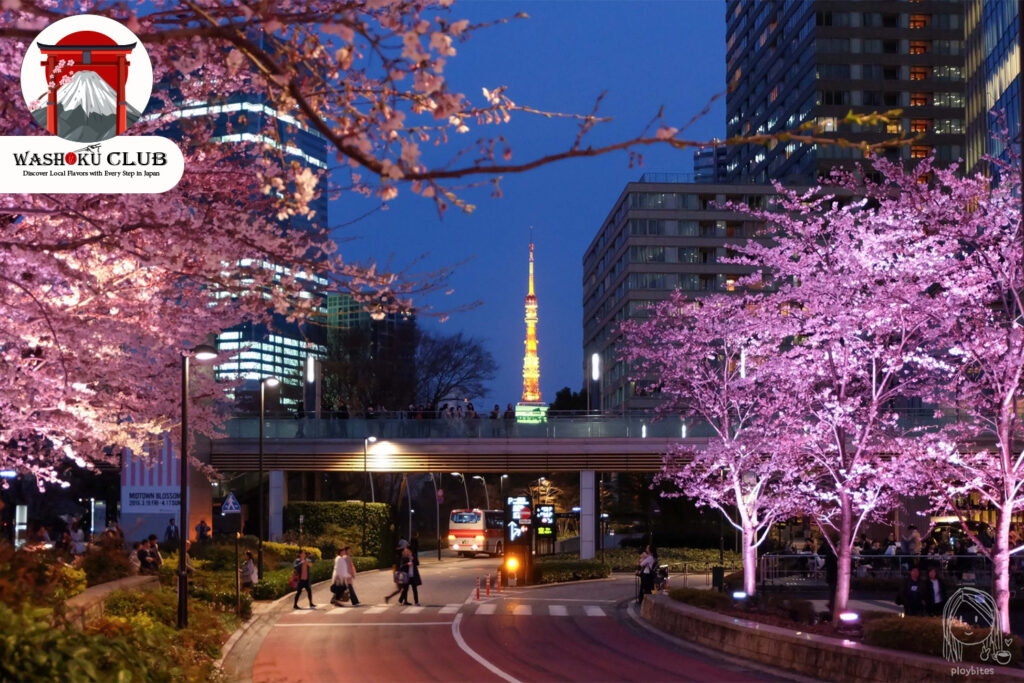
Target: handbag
[294,581]
[401,577]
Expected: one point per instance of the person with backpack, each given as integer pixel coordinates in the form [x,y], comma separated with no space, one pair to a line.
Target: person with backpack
[301,577]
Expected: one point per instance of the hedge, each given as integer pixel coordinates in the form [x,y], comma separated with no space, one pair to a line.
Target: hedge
[275,584]
[366,527]
[702,598]
[694,559]
[925,635]
[569,570]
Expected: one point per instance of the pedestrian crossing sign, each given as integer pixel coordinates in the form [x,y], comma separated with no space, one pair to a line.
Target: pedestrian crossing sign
[230,506]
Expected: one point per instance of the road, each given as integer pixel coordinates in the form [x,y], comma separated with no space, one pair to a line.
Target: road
[570,632]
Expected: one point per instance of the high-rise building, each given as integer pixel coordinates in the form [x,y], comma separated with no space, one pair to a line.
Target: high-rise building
[790,62]
[371,356]
[659,236]
[993,75]
[709,164]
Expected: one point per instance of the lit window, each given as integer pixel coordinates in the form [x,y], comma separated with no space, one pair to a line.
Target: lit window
[893,128]
[920,47]
[919,20]
[920,151]
[919,99]
[920,125]
[919,73]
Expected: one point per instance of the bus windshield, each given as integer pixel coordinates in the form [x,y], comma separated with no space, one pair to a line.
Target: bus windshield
[465,517]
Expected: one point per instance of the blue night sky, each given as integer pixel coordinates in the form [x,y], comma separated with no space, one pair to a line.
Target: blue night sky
[646,55]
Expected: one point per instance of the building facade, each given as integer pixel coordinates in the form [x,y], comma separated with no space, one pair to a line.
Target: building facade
[794,61]
[709,164]
[659,236]
[993,75]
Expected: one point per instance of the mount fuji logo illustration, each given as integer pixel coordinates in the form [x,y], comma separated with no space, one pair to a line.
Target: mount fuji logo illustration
[87,109]
[86,78]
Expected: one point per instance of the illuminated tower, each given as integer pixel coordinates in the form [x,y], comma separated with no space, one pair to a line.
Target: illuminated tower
[531,408]
[531,364]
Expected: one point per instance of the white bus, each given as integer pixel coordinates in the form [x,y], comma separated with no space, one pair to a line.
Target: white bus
[476,531]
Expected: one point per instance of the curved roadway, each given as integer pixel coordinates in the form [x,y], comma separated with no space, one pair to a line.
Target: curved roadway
[570,632]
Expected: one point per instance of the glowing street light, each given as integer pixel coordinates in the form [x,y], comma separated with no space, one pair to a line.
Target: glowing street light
[487,498]
[264,383]
[366,442]
[464,487]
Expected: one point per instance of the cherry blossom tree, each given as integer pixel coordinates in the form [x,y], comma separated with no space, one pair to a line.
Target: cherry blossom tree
[841,282]
[968,233]
[705,357]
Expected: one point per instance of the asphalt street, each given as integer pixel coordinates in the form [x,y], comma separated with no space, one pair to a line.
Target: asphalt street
[571,632]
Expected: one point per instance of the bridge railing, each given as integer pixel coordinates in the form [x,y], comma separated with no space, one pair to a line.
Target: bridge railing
[566,426]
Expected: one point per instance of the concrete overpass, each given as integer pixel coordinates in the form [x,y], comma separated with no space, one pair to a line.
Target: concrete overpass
[586,445]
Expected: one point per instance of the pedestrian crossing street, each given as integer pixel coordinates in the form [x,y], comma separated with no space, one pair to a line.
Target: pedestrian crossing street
[482,609]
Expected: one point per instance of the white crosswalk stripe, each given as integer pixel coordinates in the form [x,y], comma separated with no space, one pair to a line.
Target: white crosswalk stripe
[558,610]
[522,610]
[486,608]
[413,610]
[377,609]
[594,611]
[450,608]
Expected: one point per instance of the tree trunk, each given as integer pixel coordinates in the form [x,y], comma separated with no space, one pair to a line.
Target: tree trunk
[749,560]
[841,597]
[1001,567]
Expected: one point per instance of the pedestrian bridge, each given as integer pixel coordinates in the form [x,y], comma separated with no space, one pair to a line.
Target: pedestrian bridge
[562,444]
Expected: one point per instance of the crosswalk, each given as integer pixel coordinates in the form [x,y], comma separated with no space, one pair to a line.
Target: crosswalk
[483,609]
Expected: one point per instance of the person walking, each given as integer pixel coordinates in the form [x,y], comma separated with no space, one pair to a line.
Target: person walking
[646,571]
[407,567]
[77,538]
[339,578]
[351,576]
[400,576]
[413,570]
[302,567]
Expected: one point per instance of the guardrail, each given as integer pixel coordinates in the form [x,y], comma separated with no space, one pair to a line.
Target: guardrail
[405,425]
[808,569]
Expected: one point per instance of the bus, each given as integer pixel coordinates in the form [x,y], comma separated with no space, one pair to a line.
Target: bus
[476,531]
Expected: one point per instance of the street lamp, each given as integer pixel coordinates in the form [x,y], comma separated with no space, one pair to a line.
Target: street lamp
[264,383]
[368,440]
[595,376]
[437,507]
[501,488]
[203,352]
[487,497]
[464,487]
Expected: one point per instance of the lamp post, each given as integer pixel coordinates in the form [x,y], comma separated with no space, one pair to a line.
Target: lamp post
[464,487]
[368,440]
[501,489]
[203,352]
[437,505]
[264,383]
[487,497]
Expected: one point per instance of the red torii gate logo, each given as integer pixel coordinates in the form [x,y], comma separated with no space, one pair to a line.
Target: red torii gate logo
[88,51]
[86,78]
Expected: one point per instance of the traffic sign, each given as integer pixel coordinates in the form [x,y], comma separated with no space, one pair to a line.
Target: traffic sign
[230,506]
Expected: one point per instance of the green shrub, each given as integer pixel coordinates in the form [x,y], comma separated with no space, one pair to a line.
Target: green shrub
[35,644]
[702,598]
[70,582]
[925,635]
[104,563]
[288,552]
[332,522]
[794,609]
[548,571]
[695,560]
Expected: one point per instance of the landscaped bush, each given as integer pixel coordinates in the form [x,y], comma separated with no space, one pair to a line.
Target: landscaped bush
[555,571]
[794,609]
[925,635]
[105,563]
[702,598]
[693,559]
[70,582]
[37,577]
[326,524]
[36,645]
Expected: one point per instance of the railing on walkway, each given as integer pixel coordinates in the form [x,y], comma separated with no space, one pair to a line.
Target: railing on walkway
[807,570]
[402,425]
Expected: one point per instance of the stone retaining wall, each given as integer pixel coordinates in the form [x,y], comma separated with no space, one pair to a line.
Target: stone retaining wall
[88,605]
[811,655]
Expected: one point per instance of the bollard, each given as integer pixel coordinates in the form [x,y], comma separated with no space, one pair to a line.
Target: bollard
[478,588]
[499,580]
[488,584]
